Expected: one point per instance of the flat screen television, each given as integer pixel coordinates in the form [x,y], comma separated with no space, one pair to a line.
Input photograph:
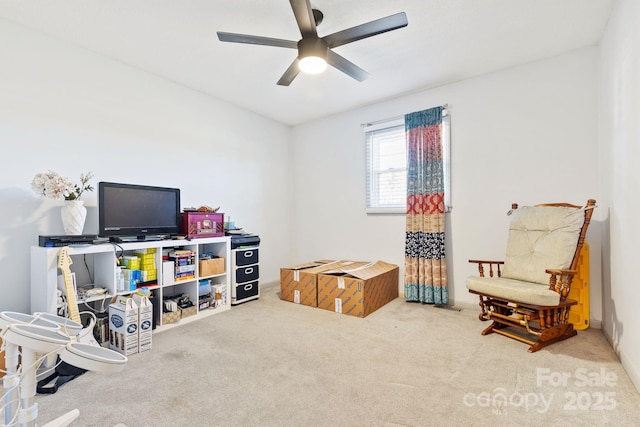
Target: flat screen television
[137,211]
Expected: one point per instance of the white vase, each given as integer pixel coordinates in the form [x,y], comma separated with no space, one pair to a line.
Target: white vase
[73,216]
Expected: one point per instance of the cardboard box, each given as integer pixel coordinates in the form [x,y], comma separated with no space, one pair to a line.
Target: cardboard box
[358,290]
[131,279]
[145,324]
[298,282]
[218,295]
[131,262]
[168,270]
[210,267]
[123,326]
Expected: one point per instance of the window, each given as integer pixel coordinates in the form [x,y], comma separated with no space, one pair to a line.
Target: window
[386,168]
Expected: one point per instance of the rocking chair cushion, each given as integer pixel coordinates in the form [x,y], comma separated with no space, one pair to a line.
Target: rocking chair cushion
[541,238]
[513,290]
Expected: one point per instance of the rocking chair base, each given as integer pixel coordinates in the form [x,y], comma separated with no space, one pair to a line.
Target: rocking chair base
[499,328]
[538,326]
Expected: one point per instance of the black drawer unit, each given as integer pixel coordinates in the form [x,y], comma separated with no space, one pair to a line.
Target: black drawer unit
[247,291]
[245,271]
[246,256]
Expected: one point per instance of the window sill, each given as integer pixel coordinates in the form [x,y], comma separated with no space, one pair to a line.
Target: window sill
[394,211]
[386,211]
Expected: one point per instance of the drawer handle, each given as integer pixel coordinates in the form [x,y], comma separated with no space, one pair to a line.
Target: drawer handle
[248,270]
[248,287]
[248,254]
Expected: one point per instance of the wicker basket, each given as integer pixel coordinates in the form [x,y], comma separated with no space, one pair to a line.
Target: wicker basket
[171,316]
[189,311]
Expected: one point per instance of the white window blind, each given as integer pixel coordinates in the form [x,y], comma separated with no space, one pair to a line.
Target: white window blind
[386,157]
[386,165]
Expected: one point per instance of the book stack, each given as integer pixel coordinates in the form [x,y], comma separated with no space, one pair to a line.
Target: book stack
[185,264]
[101,331]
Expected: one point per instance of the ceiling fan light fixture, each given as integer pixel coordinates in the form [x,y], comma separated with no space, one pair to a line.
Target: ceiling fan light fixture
[312,65]
[312,53]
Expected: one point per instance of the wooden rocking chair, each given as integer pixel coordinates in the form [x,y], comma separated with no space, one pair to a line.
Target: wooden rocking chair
[528,290]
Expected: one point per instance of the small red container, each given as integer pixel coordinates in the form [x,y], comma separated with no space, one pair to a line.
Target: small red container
[202,224]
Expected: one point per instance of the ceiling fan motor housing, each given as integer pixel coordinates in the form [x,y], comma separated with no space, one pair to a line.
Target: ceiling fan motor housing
[312,47]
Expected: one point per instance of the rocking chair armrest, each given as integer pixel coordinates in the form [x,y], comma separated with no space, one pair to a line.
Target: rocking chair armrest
[491,264]
[560,281]
[559,271]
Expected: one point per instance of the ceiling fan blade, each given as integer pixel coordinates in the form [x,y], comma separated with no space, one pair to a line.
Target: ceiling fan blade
[346,66]
[369,29]
[290,74]
[265,41]
[304,17]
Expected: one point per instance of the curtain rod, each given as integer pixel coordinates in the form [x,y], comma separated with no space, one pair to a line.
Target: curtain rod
[390,119]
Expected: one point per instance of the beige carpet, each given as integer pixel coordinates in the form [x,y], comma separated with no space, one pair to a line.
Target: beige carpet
[274,363]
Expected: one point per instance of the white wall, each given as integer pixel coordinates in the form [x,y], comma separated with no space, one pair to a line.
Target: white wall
[619,150]
[69,110]
[526,134]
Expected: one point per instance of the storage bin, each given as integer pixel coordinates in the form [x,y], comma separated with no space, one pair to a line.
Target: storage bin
[246,256]
[246,290]
[171,316]
[189,311]
[210,267]
[204,287]
[247,274]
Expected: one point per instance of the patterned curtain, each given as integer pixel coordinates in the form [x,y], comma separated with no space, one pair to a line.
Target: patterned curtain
[425,277]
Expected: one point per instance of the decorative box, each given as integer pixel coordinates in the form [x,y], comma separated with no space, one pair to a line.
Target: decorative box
[202,224]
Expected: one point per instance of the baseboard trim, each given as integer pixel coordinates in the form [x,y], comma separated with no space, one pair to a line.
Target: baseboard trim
[628,366]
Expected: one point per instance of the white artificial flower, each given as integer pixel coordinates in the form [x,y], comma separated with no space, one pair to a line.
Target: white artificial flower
[54,186]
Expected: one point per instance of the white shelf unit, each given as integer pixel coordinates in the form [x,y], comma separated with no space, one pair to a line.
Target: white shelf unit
[96,265]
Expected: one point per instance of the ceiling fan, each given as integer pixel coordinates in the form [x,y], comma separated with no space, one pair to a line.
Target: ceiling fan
[315,52]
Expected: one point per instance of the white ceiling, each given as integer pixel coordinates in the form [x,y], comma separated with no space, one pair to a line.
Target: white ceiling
[445,41]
